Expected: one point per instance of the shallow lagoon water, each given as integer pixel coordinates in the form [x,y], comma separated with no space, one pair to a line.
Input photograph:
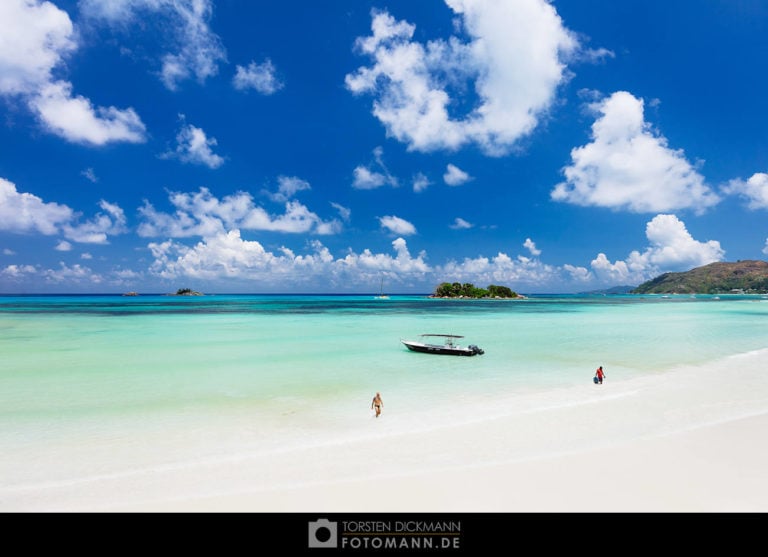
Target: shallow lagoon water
[107,385]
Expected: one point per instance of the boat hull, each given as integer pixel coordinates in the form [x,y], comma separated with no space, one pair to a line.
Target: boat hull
[441,349]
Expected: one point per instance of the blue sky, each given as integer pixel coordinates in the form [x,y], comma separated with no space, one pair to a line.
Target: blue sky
[233,146]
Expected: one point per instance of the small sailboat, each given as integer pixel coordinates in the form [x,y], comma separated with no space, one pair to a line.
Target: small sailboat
[381,295]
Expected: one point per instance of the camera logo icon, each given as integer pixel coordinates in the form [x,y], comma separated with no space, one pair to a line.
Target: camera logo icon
[323,533]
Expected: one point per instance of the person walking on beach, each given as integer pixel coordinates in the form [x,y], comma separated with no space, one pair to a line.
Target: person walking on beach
[600,374]
[377,404]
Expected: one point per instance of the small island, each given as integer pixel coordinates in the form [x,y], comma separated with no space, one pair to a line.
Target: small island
[187,292]
[469,290]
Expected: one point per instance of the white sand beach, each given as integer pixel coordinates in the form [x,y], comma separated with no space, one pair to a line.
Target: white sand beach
[718,468]
[689,440]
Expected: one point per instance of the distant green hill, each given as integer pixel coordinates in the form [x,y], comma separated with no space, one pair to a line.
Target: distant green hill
[612,290]
[750,277]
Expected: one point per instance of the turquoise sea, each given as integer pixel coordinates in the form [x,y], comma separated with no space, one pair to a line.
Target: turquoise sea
[99,386]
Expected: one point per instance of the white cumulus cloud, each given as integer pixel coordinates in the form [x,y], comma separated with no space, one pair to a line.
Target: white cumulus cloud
[365,179]
[96,230]
[455,176]
[76,274]
[754,190]
[229,256]
[501,269]
[530,245]
[194,146]
[396,225]
[203,214]
[221,255]
[25,212]
[515,57]
[672,248]
[628,166]
[36,38]
[261,77]
[74,118]
[18,271]
[370,264]
[577,273]
[460,224]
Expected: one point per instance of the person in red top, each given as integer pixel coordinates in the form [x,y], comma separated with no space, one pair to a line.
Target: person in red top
[600,374]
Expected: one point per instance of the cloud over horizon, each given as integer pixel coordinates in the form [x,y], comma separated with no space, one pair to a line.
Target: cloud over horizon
[228,255]
[672,248]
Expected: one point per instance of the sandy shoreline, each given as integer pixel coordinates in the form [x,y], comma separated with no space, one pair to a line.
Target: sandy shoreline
[718,468]
[683,441]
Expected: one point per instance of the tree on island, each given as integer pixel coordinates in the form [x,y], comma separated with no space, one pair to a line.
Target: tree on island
[187,292]
[469,290]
